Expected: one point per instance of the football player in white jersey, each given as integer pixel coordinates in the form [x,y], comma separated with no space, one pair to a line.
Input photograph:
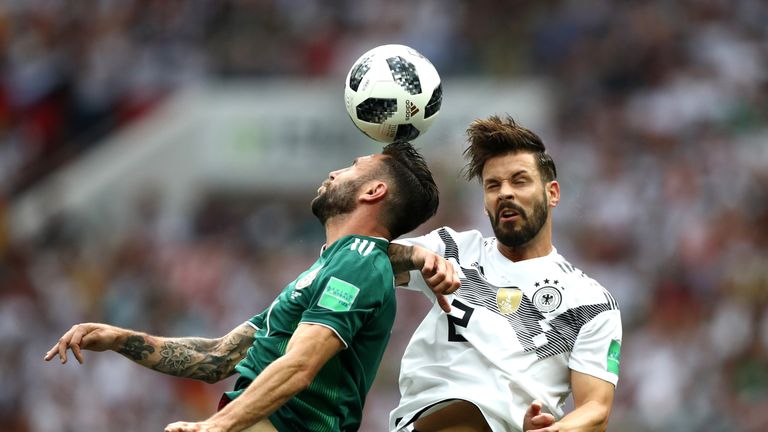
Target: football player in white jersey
[526,328]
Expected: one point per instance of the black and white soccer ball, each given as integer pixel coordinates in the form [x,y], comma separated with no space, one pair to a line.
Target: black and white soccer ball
[393,93]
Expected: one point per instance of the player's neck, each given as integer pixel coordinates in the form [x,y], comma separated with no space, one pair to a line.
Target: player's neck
[524,252]
[537,247]
[353,223]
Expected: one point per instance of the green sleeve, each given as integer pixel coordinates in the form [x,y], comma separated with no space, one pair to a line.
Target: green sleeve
[350,293]
[258,320]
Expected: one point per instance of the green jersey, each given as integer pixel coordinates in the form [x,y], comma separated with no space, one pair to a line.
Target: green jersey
[350,290]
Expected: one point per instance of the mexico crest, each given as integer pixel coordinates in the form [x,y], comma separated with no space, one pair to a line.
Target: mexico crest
[508,299]
[308,278]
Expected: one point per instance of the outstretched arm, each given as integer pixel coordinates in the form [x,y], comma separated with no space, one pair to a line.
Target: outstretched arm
[209,360]
[437,272]
[310,347]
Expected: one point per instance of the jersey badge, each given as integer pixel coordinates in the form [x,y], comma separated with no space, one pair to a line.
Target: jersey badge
[508,299]
[547,298]
[614,356]
[307,278]
[338,295]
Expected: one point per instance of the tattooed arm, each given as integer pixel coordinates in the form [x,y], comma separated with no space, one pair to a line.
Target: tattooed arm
[401,257]
[437,272]
[209,360]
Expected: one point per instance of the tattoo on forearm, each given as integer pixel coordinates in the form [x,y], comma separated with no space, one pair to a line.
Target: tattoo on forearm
[209,360]
[401,258]
[136,348]
[175,356]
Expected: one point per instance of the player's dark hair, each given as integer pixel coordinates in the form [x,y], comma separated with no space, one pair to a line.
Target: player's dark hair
[496,136]
[415,198]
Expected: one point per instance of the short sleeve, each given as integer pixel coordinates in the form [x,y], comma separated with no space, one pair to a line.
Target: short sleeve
[257,321]
[350,295]
[597,350]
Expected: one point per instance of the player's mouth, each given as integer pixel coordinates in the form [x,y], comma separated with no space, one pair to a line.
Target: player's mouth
[508,214]
[323,187]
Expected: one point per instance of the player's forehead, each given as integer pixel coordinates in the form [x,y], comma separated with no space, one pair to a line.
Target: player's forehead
[509,164]
[368,160]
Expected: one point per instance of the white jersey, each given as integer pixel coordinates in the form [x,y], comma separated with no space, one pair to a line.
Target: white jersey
[515,331]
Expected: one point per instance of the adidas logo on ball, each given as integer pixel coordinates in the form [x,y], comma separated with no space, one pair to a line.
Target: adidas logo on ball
[410,109]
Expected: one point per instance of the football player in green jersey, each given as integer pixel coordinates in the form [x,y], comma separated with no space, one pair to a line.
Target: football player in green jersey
[307,361]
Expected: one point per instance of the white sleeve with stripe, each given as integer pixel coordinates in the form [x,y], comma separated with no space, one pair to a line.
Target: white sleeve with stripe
[591,350]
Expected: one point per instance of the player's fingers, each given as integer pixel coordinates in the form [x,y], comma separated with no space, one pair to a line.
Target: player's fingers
[77,336]
[434,282]
[452,280]
[62,348]
[76,351]
[543,420]
[544,429]
[74,344]
[52,352]
[429,267]
[443,302]
[534,409]
[442,273]
[441,286]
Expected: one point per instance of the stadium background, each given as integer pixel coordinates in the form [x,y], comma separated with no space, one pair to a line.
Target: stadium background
[157,159]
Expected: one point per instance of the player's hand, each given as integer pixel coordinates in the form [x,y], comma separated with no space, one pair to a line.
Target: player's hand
[439,274]
[193,427]
[90,336]
[536,421]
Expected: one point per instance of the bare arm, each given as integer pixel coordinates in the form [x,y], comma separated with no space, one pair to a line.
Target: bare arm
[401,257]
[310,347]
[437,272]
[593,399]
[209,360]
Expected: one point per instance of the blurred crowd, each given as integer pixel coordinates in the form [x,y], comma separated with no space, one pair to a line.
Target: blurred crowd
[660,135]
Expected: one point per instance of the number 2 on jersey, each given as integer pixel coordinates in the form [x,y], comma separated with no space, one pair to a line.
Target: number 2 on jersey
[461,322]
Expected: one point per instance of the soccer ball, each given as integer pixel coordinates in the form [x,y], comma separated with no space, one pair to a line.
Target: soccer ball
[393,93]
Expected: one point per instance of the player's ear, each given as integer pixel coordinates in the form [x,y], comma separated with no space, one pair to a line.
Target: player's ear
[553,193]
[374,191]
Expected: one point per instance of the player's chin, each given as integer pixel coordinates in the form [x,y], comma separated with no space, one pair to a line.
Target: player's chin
[508,226]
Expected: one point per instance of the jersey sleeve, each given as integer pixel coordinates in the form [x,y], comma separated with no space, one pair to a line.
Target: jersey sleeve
[257,321]
[597,350]
[350,293]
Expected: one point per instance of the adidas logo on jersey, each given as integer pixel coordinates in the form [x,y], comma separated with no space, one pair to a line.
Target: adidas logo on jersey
[363,247]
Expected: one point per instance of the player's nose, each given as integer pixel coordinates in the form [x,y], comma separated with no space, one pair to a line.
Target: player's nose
[506,191]
[333,174]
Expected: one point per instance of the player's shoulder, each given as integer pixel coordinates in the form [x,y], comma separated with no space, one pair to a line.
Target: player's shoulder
[361,262]
[588,289]
[447,233]
[358,256]
[359,249]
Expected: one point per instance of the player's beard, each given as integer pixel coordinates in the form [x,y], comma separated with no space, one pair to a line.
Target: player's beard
[527,228]
[336,200]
